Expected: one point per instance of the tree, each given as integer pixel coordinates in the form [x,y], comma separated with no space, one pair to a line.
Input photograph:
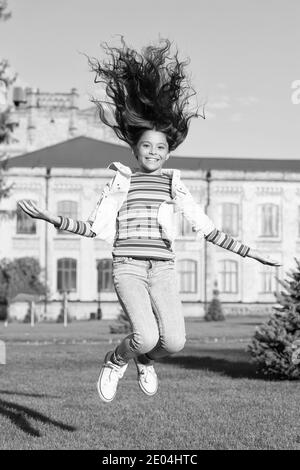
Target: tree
[6,121]
[21,275]
[4,14]
[274,342]
[215,312]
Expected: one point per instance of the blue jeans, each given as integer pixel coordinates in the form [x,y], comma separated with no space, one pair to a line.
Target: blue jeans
[147,291]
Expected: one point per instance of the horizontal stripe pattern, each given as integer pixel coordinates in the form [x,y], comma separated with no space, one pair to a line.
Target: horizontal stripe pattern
[139,248]
[227,242]
[75,226]
[138,231]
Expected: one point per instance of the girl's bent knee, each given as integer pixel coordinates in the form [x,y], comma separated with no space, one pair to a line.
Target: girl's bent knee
[143,344]
[174,345]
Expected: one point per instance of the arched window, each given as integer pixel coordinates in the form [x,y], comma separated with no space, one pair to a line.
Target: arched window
[230,218]
[25,223]
[187,270]
[67,209]
[105,280]
[269,220]
[228,276]
[66,274]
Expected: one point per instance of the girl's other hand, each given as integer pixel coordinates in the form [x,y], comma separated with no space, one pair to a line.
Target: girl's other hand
[35,212]
[262,258]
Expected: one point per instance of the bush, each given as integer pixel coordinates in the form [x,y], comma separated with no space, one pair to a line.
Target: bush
[122,325]
[27,318]
[274,342]
[60,318]
[20,276]
[215,312]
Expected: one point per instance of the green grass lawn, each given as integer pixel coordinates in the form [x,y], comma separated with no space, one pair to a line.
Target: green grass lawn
[209,395]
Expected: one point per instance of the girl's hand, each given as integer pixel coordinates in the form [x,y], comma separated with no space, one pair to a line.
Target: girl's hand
[262,258]
[35,212]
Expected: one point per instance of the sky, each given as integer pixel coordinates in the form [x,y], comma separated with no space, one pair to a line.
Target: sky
[244,60]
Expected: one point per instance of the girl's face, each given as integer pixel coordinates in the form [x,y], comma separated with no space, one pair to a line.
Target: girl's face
[151,151]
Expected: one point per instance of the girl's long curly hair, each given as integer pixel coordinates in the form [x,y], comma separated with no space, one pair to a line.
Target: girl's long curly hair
[148,90]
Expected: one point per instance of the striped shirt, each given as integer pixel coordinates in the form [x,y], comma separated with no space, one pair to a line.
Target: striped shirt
[139,234]
[138,231]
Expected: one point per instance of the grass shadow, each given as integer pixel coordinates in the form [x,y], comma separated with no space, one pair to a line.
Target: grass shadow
[232,363]
[19,415]
[25,394]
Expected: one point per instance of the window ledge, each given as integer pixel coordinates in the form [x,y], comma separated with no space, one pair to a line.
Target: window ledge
[19,236]
[269,239]
[263,294]
[63,235]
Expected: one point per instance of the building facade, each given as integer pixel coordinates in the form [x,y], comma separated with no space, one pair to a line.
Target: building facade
[262,210]
[258,206]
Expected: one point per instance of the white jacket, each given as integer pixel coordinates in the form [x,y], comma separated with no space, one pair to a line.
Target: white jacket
[104,217]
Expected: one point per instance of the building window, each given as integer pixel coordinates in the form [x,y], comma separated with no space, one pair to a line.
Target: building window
[269,220]
[228,274]
[67,209]
[66,275]
[105,280]
[267,280]
[230,218]
[25,223]
[187,270]
[184,227]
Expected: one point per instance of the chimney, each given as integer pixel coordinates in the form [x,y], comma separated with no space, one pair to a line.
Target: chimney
[31,95]
[73,113]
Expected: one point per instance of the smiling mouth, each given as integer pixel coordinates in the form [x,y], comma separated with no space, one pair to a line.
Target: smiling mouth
[152,159]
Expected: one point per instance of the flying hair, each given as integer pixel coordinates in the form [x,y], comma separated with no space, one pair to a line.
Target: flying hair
[147,90]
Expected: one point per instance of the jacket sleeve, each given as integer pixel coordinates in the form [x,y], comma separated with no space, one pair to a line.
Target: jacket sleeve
[202,224]
[80,227]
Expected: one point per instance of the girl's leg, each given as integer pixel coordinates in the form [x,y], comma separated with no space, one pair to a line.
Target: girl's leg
[131,279]
[167,307]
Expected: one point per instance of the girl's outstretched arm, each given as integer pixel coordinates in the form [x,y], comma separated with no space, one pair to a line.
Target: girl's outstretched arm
[201,223]
[62,223]
[229,243]
[76,226]
[219,238]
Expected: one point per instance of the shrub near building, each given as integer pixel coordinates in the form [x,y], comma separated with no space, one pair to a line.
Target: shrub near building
[274,342]
[19,276]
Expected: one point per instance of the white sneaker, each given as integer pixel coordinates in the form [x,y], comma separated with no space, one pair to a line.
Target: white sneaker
[147,378]
[109,378]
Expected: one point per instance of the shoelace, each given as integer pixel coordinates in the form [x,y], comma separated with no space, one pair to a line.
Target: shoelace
[146,371]
[116,370]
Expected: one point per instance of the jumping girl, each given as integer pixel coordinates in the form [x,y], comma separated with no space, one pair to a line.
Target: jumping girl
[147,107]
